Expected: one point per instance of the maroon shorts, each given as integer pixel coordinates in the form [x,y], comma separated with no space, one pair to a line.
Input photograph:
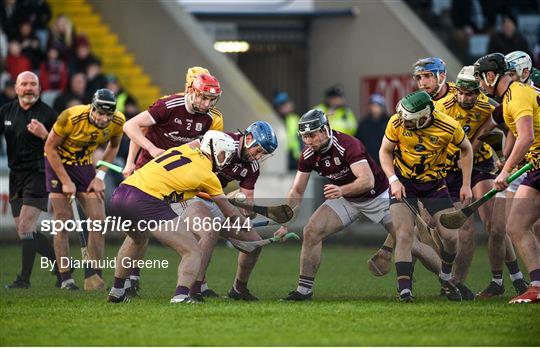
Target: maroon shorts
[481,171]
[133,204]
[81,176]
[532,179]
[433,195]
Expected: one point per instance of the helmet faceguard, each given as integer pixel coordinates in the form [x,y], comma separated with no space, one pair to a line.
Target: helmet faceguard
[433,65]
[204,87]
[262,135]
[466,83]
[415,107]
[518,61]
[219,146]
[104,103]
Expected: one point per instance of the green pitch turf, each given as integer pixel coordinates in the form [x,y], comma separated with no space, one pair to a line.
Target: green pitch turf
[350,307]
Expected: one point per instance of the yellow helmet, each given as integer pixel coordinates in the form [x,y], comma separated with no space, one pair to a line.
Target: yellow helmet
[192,72]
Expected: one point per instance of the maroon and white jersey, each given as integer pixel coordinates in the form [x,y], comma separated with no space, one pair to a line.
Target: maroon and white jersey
[335,163]
[246,173]
[175,126]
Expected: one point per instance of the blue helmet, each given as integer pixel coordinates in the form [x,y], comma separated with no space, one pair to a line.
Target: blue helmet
[430,64]
[263,134]
[434,65]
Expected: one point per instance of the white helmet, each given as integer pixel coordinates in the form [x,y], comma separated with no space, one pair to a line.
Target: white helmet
[518,61]
[219,146]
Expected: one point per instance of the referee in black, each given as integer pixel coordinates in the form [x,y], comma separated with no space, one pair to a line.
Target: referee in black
[25,123]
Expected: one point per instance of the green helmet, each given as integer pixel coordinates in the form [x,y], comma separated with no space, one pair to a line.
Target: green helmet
[466,80]
[535,76]
[414,106]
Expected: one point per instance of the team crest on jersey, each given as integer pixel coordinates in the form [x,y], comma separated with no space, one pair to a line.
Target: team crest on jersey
[244,172]
[177,120]
[337,161]
[419,148]
[433,139]
[54,183]
[198,127]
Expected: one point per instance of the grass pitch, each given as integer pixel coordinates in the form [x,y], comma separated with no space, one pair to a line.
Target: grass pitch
[350,307]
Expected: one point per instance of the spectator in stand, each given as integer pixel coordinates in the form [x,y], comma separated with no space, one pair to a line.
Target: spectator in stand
[284,106]
[16,62]
[8,93]
[38,13]
[62,35]
[371,128]
[122,96]
[82,56]
[30,44]
[77,90]
[508,39]
[340,116]
[53,75]
[9,18]
[96,79]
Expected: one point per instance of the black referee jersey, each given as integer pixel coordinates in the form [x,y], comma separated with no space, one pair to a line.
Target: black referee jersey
[25,150]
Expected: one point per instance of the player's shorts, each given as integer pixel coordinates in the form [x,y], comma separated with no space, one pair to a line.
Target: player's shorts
[27,187]
[181,207]
[81,176]
[433,195]
[133,204]
[454,179]
[376,209]
[532,179]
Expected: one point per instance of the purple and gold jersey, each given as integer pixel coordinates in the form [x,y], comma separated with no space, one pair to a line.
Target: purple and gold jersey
[245,173]
[81,137]
[421,154]
[175,126]
[335,163]
[470,121]
[518,101]
[177,174]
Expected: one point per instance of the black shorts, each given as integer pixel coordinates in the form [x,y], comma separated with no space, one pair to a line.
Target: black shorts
[27,187]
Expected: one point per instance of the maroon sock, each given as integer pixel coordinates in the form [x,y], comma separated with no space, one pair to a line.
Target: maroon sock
[181,290]
[136,271]
[196,287]
[119,282]
[240,286]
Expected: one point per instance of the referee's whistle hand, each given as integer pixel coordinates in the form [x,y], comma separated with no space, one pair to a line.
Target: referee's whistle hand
[37,128]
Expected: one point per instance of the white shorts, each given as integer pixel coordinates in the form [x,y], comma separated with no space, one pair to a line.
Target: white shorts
[181,207]
[513,186]
[376,209]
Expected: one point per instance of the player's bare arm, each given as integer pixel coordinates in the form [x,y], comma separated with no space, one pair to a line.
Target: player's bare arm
[524,140]
[386,157]
[466,163]
[365,181]
[51,146]
[98,185]
[133,128]
[294,197]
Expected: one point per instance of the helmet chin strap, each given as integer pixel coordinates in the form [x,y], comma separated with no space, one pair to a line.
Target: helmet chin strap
[439,84]
[328,144]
